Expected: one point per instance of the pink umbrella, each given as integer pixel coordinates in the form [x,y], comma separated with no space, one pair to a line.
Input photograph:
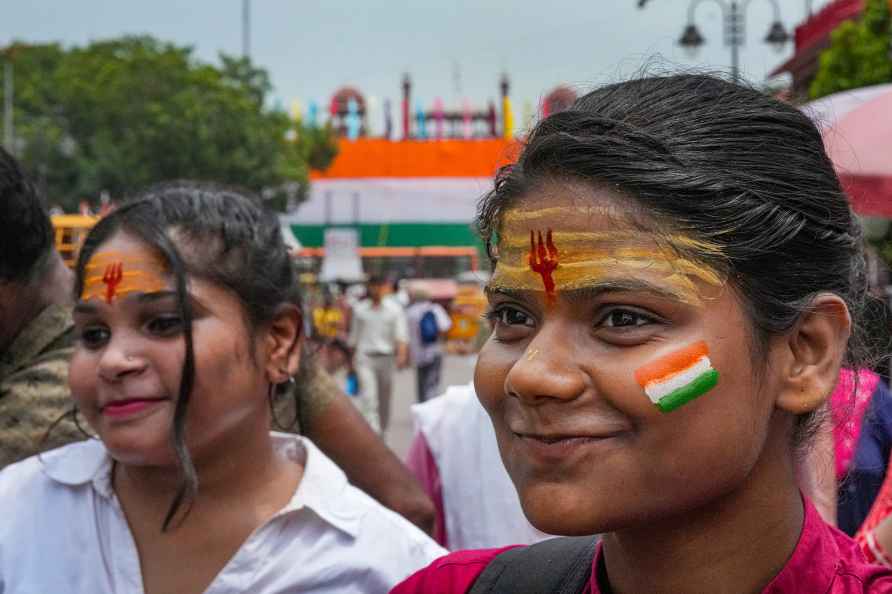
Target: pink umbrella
[857,130]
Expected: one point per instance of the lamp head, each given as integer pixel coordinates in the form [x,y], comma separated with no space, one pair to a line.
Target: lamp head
[777,36]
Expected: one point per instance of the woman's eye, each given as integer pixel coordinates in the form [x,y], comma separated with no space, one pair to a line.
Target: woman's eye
[509,316]
[624,318]
[93,337]
[166,325]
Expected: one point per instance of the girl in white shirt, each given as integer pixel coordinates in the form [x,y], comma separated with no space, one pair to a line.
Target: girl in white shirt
[187,321]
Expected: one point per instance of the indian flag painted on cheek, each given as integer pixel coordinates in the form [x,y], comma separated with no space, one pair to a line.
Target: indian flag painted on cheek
[679,377]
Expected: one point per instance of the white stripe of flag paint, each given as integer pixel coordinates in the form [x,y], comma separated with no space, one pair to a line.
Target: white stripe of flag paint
[679,377]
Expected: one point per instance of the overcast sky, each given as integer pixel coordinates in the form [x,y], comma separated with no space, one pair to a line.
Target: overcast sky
[452,48]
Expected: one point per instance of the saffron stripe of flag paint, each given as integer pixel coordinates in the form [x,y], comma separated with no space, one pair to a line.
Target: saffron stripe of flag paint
[679,377]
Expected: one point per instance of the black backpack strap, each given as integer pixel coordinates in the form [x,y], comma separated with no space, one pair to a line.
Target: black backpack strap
[561,565]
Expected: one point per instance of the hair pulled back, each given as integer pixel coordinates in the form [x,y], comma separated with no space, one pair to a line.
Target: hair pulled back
[718,162]
[220,235]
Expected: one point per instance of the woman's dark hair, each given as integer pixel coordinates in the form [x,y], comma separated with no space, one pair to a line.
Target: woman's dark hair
[217,234]
[718,162]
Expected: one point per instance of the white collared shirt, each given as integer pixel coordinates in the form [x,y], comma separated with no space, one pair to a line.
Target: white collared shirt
[63,530]
[376,329]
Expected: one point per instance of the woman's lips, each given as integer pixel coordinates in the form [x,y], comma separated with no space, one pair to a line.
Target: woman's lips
[553,448]
[126,408]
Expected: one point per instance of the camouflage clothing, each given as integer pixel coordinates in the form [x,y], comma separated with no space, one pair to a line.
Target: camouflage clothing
[34,387]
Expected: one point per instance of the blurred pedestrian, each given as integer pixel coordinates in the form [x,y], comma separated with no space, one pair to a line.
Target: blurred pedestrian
[379,338]
[428,323]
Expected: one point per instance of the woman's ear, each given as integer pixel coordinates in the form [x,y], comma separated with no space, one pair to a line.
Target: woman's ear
[815,350]
[283,343]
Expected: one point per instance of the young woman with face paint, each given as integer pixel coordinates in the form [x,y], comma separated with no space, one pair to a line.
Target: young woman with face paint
[677,280]
[187,323]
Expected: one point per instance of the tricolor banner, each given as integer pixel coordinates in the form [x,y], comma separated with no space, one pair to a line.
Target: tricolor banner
[679,377]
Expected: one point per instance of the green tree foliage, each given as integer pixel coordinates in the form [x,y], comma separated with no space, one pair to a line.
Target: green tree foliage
[859,53]
[121,114]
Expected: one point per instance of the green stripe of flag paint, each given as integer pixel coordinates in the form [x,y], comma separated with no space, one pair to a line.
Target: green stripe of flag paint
[702,384]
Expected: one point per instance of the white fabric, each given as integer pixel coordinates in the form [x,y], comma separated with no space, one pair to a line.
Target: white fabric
[480,504]
[391,200]
[377,329]
[423,354]
[63,530]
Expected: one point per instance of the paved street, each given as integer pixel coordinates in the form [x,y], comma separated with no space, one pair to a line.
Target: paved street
[456,370]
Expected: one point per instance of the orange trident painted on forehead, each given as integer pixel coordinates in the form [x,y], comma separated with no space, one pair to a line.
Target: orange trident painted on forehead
[112,277]
[543,260]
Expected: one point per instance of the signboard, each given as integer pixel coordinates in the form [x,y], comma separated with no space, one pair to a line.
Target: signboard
[341,260]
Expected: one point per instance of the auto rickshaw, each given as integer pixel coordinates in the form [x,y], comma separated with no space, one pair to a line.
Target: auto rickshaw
[70,233]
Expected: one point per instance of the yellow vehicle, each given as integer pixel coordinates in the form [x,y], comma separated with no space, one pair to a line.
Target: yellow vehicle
[70,232]
[467,332]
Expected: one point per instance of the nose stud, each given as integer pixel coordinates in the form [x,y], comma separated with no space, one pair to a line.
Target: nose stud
[531,354]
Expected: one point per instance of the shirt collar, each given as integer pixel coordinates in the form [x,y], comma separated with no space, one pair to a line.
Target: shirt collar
[811,568]
[80,463]
[322,487]
[51,323]
[321,490]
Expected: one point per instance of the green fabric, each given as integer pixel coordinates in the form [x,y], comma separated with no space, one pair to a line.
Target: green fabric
[397,235]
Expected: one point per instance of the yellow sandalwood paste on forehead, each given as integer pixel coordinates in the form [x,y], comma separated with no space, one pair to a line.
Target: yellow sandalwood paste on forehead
[109,275]
[575,258]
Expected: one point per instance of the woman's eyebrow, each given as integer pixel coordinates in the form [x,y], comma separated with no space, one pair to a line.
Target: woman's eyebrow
[515,294]
[596,289]
[156,296]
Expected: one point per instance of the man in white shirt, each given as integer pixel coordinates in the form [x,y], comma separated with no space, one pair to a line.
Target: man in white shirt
[379,338]
[428,321]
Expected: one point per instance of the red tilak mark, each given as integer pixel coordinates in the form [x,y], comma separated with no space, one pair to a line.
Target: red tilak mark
[112,277]
[543,260]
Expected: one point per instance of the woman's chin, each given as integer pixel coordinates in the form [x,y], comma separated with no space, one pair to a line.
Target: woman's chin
[137,453]
[561,511]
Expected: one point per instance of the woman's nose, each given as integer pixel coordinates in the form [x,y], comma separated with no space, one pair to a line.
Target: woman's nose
[120,359]
[547,370]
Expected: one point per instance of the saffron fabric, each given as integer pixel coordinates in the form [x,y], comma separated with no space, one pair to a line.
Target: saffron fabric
[825,561]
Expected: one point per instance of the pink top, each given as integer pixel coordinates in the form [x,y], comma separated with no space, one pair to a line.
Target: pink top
[825,561]
[421,463]
[848,406]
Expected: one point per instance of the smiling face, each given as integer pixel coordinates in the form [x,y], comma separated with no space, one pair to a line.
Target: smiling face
[126,368]
[580,436]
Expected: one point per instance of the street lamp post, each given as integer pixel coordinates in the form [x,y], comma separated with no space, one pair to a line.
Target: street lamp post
[735,31]
[8,132]
[246,28]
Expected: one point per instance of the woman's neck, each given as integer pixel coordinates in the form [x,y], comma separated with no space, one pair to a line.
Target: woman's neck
[247,470]
[735,544]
